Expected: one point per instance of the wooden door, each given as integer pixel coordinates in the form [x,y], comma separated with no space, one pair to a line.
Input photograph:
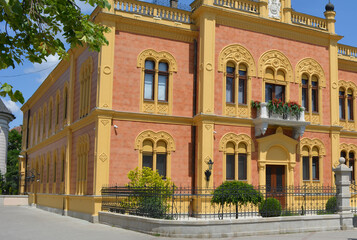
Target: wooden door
[275,183]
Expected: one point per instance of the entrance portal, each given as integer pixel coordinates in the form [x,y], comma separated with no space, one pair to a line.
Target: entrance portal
[275,182]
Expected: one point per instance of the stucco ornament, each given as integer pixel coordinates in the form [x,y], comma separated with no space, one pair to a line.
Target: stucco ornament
[274,8]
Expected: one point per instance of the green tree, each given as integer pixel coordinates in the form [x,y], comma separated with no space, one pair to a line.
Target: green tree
[236,193]
[151,192]
[31,29]
[11,185]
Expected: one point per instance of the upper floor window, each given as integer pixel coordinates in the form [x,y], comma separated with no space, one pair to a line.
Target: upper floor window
[57,108]
[85,77]
[65,103]
[309,93]
[233,79]
[50,114]
[274,91]
[152,76]
[346,104]
[156,81]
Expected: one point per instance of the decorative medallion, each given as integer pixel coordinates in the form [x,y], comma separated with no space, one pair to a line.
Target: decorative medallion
[106,70]
[274,8]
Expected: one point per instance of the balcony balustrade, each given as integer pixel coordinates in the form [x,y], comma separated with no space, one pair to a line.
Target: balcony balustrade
[265,118]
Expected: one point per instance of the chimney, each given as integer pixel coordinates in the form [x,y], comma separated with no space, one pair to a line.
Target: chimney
[173,3]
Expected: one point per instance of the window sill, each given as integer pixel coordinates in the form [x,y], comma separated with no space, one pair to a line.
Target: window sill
[243,104]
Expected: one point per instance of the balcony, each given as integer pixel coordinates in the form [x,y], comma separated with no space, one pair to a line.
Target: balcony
[265,118]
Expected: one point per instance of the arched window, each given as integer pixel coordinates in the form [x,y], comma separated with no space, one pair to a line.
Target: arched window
[155,151]
[341,102]
[57,109]
[237,73]
[44,121]
[65,103]
[39,126]
[311,153]
[50,114]
[156,84]
[237,156]
[348,152]
[309,93]
[155,159]
[346,101]
[82,164]
[85,78]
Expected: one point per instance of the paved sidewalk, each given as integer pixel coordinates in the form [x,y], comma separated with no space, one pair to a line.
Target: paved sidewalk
[18,223]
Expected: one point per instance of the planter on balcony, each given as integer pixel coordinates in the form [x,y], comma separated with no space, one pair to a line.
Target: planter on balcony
[265,118]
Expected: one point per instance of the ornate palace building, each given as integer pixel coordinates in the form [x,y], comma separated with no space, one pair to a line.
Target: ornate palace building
[173,91]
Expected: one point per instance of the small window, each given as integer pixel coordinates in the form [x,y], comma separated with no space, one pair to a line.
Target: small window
[148,160]
[315,168]
[305,168]
[342,104]
[274,91]
[314,95]
[230,167]
[350,105]
[161,160]
[230,83]
[305,93]
[163,81]
[149,80]
[242,166]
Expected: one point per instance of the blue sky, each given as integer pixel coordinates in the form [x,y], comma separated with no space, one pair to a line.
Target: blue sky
[28,77]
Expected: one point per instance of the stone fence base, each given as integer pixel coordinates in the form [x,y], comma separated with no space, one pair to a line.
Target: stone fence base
[13,200]
[223,228]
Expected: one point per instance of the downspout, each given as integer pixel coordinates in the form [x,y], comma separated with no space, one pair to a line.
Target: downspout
[27,145]
[193,128]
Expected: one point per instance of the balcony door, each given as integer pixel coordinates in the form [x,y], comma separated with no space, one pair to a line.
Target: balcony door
[274,91]
[275,182]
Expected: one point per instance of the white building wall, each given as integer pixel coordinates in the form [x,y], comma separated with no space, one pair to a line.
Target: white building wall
[4,132]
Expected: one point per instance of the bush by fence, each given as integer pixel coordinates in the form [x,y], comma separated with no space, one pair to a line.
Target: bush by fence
[183,203]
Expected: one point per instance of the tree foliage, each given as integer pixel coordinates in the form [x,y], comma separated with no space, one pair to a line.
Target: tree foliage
[32,30]
[236,193]
[11,185]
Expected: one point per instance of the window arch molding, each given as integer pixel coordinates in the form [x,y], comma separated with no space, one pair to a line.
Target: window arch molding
[154,105]
[348,86]
[275,60]
[314,151]
[310,68]
[236,140]
[239,56]
[155,138]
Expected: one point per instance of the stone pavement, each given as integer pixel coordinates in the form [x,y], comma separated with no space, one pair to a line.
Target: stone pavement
[23,223]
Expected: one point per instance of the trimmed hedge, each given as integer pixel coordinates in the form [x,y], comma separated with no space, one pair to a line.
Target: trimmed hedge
[270,207]
[331,205]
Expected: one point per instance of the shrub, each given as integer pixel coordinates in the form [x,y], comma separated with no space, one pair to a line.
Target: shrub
[270,207]
[236,193]
[331,205]
[151,192]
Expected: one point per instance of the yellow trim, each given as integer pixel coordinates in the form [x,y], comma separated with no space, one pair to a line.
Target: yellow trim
[348,148]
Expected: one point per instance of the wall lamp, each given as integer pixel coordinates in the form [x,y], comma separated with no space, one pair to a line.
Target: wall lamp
[208,172]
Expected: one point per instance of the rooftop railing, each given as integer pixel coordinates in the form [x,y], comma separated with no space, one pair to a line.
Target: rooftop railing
[241,5]
[309,21]
[153,10]
[347,51]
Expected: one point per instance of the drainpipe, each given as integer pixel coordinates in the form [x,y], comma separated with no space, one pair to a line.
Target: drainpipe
[27,145]
[193,129]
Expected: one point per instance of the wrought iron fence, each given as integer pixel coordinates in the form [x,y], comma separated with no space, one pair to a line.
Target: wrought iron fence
[353,190]
[197,203]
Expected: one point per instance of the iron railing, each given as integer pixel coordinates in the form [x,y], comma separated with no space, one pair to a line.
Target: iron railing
[196,203]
